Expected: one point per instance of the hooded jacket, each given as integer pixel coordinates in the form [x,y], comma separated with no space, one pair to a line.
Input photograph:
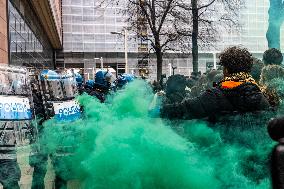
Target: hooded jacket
[239,93]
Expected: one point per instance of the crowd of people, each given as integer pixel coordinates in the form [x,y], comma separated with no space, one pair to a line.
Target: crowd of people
[103,83]
[243,84]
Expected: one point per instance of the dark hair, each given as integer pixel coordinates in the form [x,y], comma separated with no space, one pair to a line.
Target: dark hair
[272,56]
[236,59]
[276,128]
[256,69]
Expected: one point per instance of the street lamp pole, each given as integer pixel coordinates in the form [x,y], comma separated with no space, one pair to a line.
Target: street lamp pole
[215,60]
[102,63]
[170,69]
[126,50]
[125,34]
[95,67]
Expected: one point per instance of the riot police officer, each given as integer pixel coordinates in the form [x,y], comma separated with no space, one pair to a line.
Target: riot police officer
[15,120]
[58,91]
[99,87]
[38,157]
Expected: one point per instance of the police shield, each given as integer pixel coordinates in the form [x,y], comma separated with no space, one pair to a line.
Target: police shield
[59,90]
[15,110]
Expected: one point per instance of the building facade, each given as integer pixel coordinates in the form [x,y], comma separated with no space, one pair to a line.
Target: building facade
[88,24]
[30,32]
[3,32]
[87,37]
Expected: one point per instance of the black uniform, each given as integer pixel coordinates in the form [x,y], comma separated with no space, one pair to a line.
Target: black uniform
[38,158]
[10,172]
[276,132]
[246,97]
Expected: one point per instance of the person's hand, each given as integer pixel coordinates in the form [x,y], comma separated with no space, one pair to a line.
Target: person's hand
[275,128]
[161,93]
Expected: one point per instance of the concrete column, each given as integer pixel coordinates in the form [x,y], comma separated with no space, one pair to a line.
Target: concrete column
[3,32]
[215,60]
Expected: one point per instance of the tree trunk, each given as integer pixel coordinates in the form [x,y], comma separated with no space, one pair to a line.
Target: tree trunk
[276,19]
[194,35]
[159,55]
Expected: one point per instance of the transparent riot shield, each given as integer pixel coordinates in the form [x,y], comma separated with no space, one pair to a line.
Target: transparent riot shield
[51,85]
[69,84]
[15,107]
[59,90]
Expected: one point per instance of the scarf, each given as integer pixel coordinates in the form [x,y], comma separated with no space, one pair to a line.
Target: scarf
[236,79]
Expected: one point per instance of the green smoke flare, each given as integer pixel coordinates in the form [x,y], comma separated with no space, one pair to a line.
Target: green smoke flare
[116,145]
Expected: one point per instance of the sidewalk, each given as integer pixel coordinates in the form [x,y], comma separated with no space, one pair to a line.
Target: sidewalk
[27,171]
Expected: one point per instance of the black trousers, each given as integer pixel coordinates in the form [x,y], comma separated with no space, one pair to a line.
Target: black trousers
[38,160]
[10,174]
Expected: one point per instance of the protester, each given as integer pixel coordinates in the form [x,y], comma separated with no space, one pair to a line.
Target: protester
[272,57]
[256,69]
[271,72]
[237,91]
[175,88]
[272,75]
[276,132]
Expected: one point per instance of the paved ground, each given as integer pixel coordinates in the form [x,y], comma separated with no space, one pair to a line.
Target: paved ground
[27,171]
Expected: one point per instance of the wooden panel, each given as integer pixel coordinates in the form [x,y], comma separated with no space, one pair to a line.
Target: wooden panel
[3,27]
[3,10]
[3,42]
[3,33]
[3,57]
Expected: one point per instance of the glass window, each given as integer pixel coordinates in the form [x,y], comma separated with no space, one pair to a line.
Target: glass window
[28,43]
[67,19]
[76,2]
[77,19]
[89,47]
[89,38]
[88,29]
[77,28]
[76,11]
[78,47]
[67,28]
[88,3]
[99,29]
[88,11]
[66,10]
[77,37]
[100,38]
[99,20]
[88,19]
[100,47]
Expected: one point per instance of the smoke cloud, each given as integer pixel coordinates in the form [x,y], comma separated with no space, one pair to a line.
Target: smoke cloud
[117,145]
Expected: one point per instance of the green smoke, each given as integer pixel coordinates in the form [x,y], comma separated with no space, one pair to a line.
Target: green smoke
[117,145]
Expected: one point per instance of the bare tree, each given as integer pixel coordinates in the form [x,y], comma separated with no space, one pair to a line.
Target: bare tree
[178,25]
[276,19]
[211,15]
[157,18]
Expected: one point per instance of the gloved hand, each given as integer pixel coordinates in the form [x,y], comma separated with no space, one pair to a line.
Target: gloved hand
[155,106]
[276,128]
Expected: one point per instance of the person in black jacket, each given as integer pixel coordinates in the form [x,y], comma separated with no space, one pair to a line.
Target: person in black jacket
[38,158]
[272,56]
[237,92]
[276,132]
